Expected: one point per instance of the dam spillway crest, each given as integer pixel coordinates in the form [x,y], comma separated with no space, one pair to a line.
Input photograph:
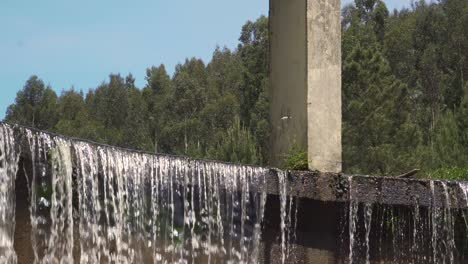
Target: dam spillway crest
[69,201]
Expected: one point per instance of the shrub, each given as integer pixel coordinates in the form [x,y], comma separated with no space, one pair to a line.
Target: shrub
[453,173]
[296,159]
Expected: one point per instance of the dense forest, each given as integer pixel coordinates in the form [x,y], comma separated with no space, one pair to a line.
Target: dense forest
[405,97]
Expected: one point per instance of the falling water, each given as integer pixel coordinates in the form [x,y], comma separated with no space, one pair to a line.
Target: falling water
[8,167]
[289,208]
[51,198]
[411,234]
[448,226]
[100,204]
[434,215]
[132,207]
[179,210]
[417,231]
[367,226]
[442,218]
[464,189]
[352,214]
[282,179]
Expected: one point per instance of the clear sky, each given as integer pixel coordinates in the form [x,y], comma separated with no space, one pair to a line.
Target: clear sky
[79,43]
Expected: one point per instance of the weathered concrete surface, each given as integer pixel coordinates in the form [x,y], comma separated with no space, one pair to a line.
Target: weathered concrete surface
[324,85]
[288,77]
[336,187]
[305,81]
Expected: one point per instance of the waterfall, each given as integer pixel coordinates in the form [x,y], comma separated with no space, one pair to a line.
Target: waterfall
[408,234]
[132,207]
[352,219]
[60,242]
[443,237]
[464,189]
[417,231]
[8,167]
[367,226]
[51,198]
[434,213]
[93,203]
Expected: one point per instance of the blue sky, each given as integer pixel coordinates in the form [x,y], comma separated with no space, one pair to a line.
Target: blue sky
[391,4]
[79,43]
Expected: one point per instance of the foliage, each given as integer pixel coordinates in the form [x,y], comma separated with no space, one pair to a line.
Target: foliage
[404,92]
[191,113]
[296,159]
[452,173]
[376,105]
[447,148]
[237,145]
[405,97]
[35,105]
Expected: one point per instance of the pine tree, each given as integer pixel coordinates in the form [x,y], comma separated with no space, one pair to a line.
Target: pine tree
[378,128]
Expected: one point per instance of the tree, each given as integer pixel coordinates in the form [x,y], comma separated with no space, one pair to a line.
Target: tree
[187,101]
[378,127]
[224,73]
[448,150]
[110,102]
[405,96]
[108,105]
[157,94]
[70,106]
[136,133]
[462,119]
[253,51]
[35,105]
[237,145]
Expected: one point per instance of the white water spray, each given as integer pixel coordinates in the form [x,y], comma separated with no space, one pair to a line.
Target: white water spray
[8,167]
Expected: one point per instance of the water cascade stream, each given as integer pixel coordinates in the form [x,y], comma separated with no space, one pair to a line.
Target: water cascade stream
[100,204]
[93,203]
[409,234]
[8,167]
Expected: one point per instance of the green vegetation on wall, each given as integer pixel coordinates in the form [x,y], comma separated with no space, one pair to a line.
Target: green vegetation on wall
[454,173]
[296,159]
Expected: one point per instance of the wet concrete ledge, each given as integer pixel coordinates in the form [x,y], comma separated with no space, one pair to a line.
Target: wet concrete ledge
[335,187]
[326,187]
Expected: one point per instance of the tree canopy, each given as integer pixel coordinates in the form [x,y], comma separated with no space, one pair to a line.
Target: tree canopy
[405,96]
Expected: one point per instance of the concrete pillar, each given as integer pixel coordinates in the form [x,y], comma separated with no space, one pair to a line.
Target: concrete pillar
[305,81]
